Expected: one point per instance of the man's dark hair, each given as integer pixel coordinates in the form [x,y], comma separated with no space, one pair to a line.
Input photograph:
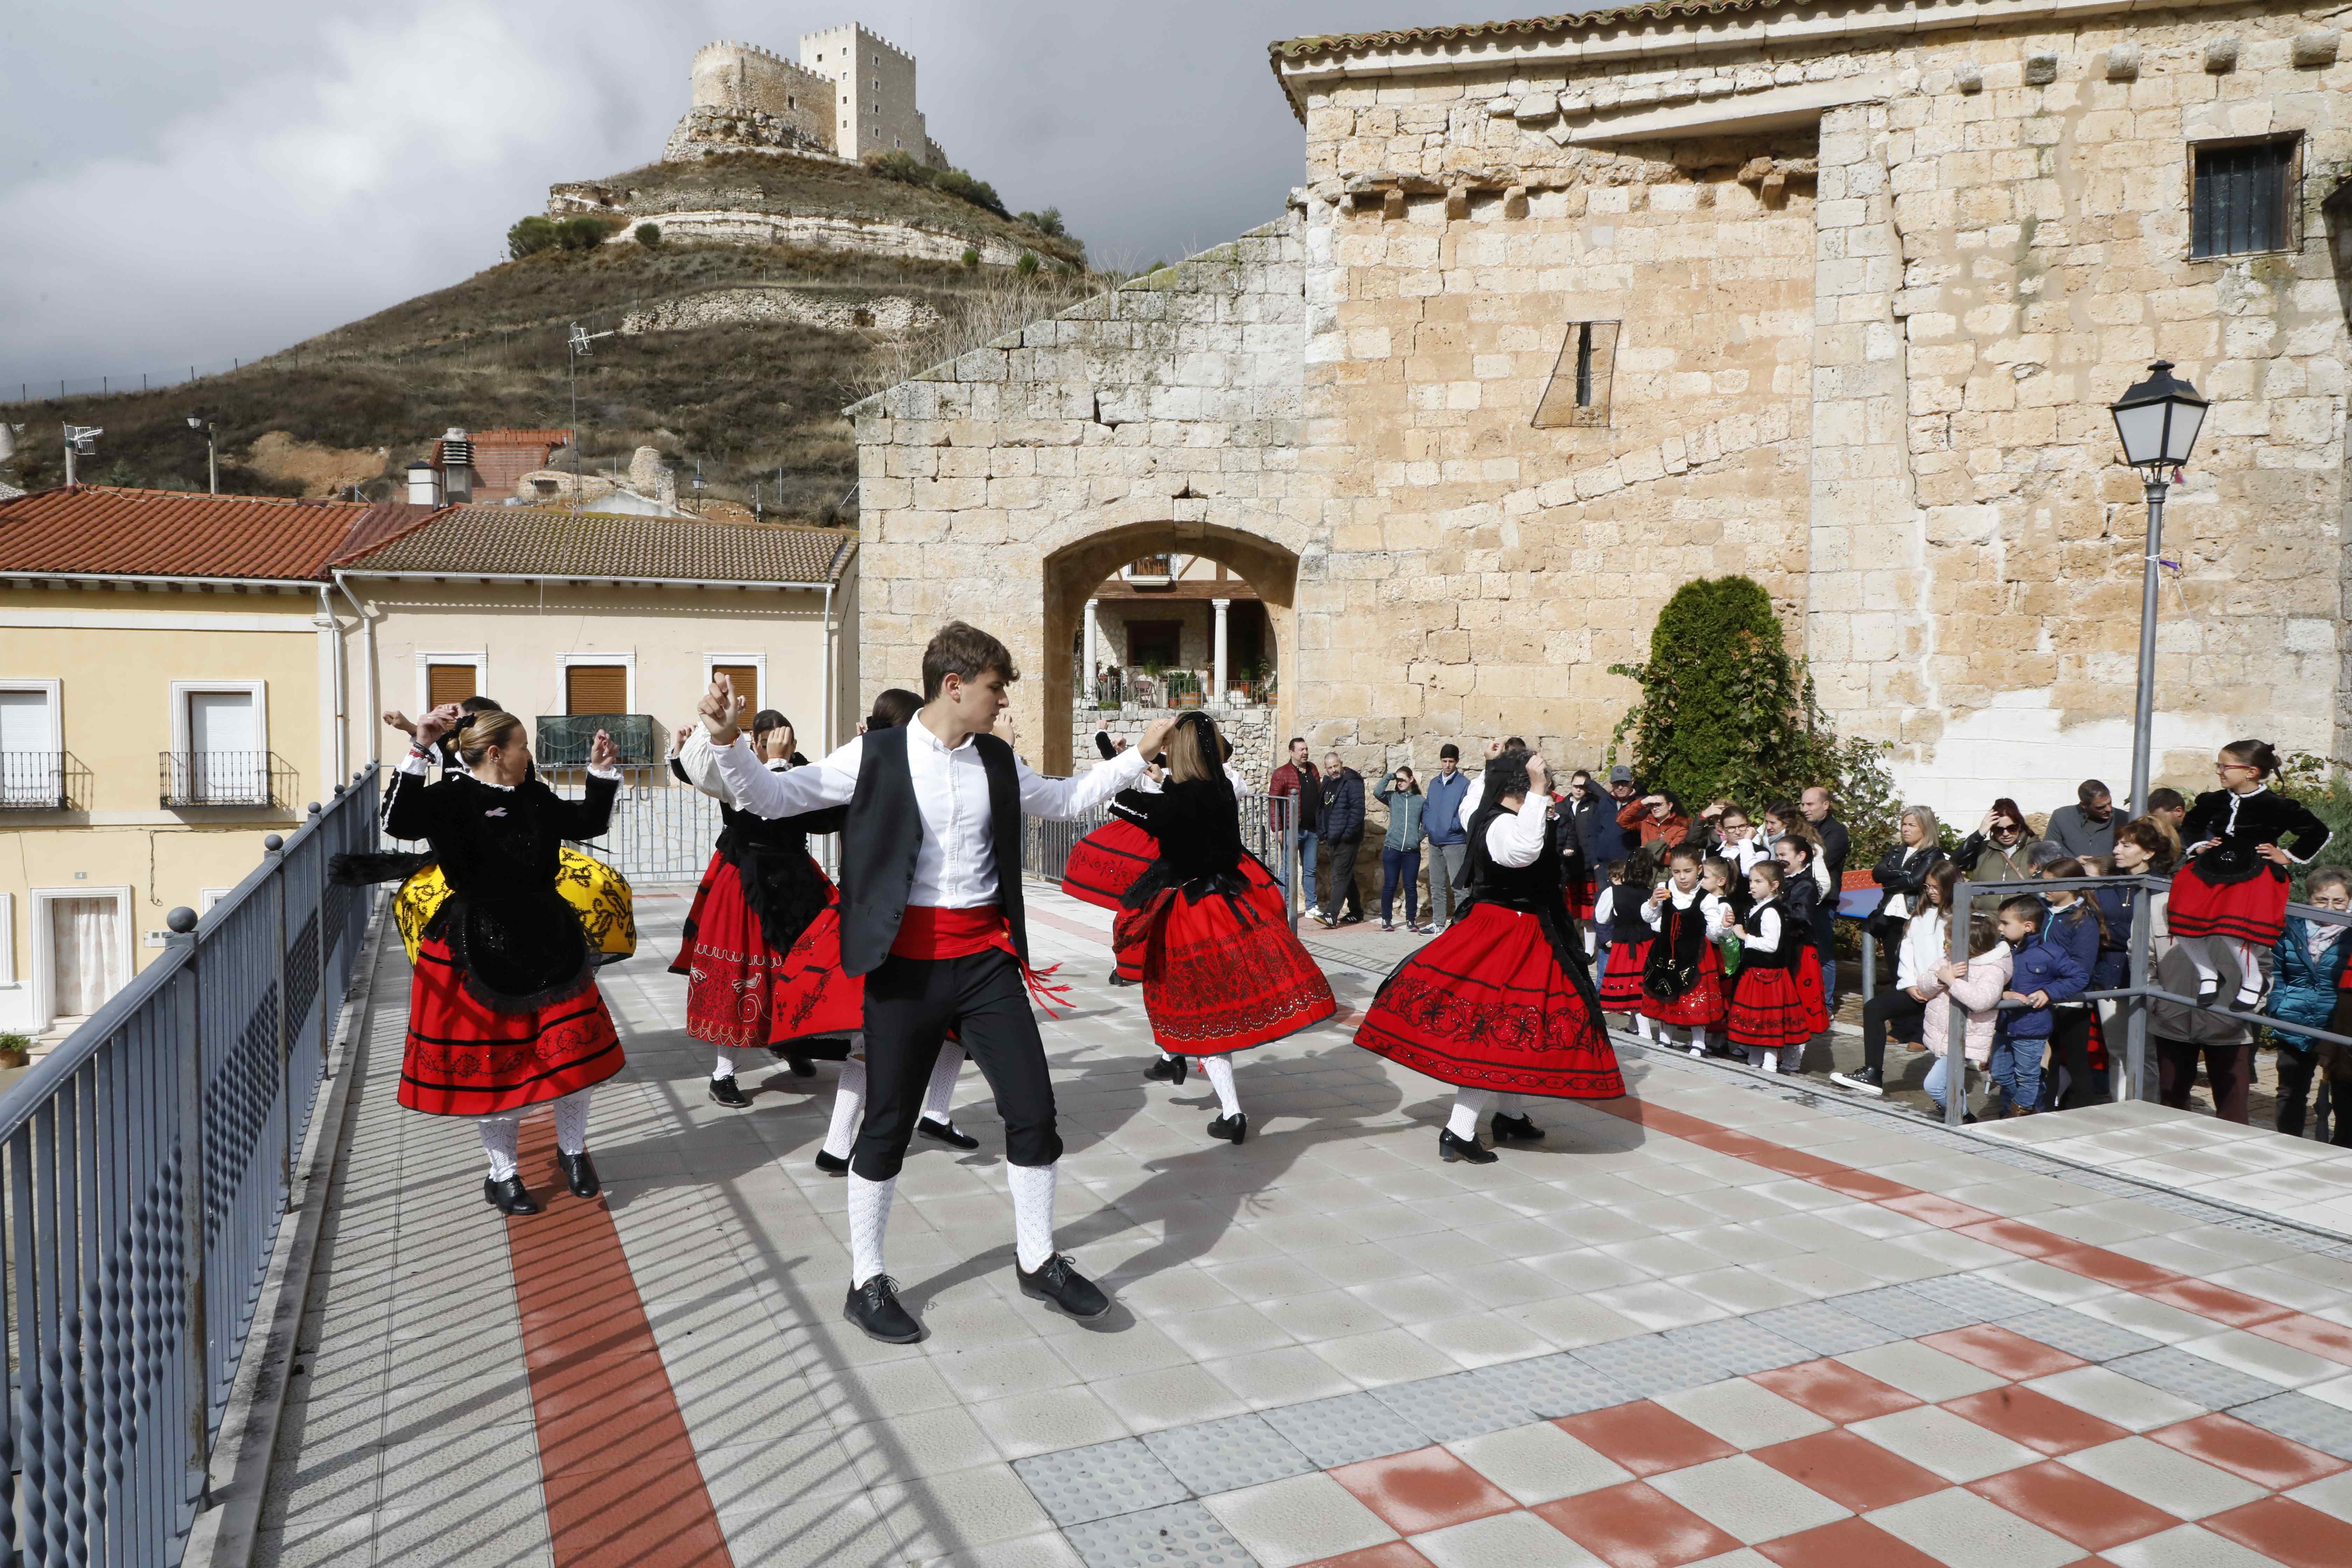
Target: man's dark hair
[1450,750]
[2090,790]
[1295,740]
[2166,800]
[1506,773]
[964,651]
[1513,743]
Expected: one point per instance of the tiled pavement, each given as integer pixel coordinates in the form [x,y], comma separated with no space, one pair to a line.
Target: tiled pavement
[1729,1322]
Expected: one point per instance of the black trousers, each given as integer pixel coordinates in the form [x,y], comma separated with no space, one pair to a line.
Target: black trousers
[2069,1047]
[910,1004]
[1892,1007]
[1339,876]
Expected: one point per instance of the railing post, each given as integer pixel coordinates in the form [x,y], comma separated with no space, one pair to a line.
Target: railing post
[195,1282]
[319,856]
[1956,1038]
[273,855]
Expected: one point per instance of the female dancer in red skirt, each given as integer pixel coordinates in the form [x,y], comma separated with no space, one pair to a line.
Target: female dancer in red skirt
[1106,863]
[1500,1003]
[1682,979]
[1768,1014]
[2233,888]
[503,1012]
[1222,971]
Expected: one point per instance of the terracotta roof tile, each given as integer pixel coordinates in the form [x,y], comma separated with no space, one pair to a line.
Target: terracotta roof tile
[519,438]
[100,530]
[1567,22]
[527,542]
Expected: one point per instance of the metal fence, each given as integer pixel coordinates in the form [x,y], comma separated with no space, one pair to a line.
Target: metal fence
[148,1161]
[1045,845]
[662,830]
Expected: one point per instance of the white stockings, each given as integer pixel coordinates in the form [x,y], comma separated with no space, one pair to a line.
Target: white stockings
[939,1100]
[1033,1213]
[502,1133]
[849,1095]
[2203,954]
[1470,1104]
[1221,1079]
[869,1216]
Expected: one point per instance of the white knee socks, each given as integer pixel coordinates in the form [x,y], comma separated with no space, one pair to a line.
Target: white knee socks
[1645,1027]
[869,1217]
[725,1065]
[2250,971]
[1469,1104]
[501,1130]
[2200,958]
[1221,1079]
[571,1122]
[848,1109]
[1033,1213]
[939,1100]
[1771,1062]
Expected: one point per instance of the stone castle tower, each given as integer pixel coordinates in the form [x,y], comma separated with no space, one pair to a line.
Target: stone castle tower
[851,93]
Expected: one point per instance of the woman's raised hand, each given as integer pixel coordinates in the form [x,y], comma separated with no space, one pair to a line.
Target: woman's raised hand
[437,723]
[603,755]
[719,709]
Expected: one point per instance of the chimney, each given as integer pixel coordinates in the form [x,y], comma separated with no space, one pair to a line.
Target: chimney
[423,484]
[457,453]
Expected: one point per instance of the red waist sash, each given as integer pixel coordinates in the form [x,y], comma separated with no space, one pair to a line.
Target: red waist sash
[927,931]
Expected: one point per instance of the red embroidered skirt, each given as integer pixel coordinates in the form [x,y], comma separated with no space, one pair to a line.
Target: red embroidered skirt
[463,1059]
[1486,1005]
[1769,1010]
[1701,1006]
[1221,975]
[1106,863]
[2253,910]
[1621,988]
[739,992]
[1807,976]
[1127,951]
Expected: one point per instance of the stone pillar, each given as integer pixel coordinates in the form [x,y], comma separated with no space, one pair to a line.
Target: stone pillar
[1220,606]
[1093,651]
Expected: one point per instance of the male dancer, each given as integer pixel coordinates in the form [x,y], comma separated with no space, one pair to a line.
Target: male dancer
[931,915]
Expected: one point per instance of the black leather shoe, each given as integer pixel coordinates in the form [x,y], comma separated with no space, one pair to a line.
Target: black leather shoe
[832,1164]
[509,1196]
[1232,1129]
[874,1307]
[1517,1130]
[802,1066]
[2208,992]
[1451,1149]
[1118,979]
[1061,1283]
[1168,1069]
[580,1173]
[946,1132]
[724,1092]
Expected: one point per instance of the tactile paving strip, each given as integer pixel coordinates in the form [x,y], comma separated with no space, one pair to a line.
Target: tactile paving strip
[1079,1485]
[1345,1429]
[2209,1382]
[1214,1456]
[1555,1385]
[2314,1423]
[1180,1535]
[1649,1365]
[1985,1301]
[2079,1333]
[1821,1327]
[1904,1311]
[1455,1406]
[1738,1346]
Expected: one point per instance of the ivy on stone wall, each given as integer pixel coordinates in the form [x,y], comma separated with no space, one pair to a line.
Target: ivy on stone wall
[1726,713]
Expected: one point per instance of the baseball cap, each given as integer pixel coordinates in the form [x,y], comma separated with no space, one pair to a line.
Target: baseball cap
[1620,774]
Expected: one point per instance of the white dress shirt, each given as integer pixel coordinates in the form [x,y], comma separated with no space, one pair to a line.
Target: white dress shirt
[1471,795]
[1517,837]
[1710,908]
[955,868]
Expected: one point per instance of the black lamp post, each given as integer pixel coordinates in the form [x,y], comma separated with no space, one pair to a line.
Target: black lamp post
[2158,421]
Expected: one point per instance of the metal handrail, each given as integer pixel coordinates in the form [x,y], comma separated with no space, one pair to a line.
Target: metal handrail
[148,1163]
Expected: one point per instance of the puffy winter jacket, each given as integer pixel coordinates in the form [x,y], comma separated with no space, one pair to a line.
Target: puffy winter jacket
[2303,989]
[1343,807]
[2111,969]
[2076,929]
[1904,874]
[2045,963]
[1978,991]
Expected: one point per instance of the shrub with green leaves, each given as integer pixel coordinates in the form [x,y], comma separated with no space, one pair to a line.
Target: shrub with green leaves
[1726,712]
[531,236]
[971,256]
[1028,265]
[648,235]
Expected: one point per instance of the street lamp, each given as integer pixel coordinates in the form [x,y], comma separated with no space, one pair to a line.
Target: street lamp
[2158,421]
[212,453]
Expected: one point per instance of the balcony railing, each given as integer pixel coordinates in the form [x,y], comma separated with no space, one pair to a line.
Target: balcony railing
[564,738]
[34,780]
[226,778]
[1171,688]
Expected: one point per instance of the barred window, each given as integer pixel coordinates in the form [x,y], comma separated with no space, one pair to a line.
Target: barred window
[2242,199]
[1578,394]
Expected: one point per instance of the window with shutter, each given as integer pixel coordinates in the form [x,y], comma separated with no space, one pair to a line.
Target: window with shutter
[746,680]
[596,689]
[2241,199]
[447,683]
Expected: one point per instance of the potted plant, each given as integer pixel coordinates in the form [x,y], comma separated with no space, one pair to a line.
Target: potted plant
[15,1050]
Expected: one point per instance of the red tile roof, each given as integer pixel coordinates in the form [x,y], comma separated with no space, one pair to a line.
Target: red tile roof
[520,437]
[1525,27]
[524,542]
[103,531]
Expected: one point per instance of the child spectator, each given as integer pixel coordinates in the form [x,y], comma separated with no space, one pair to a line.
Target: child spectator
[2078,923]
[1977,986]
[2307,971]
[1801,897]
[1629,940]
[2044,972]
[1768,1014]
[1681,981]
[1925,947]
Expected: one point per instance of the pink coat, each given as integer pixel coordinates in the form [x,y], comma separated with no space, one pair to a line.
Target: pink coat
[1980,991]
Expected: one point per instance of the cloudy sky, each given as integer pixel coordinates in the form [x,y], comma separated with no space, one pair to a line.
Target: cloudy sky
[183,184]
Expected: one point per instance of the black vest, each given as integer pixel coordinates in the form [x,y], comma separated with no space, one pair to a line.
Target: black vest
[884,832]
[1531,888]
[1793,937]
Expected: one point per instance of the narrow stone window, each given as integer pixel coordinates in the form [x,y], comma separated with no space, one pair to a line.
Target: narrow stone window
[2241,198]
[1577,393]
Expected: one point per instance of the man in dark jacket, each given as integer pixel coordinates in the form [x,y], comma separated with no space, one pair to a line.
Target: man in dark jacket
[1298,780]
[1449,838]
[1821,812]
[1341,826]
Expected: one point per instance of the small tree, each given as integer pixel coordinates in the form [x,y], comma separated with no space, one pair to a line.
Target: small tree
[649,235]
[531,236]
[971,256]
[1725,712]
[1028,265]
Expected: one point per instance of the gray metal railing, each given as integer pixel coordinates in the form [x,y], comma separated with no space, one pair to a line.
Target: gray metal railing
[148,1163]
[1045,845]
[224,778]
[33,781]
[662,830]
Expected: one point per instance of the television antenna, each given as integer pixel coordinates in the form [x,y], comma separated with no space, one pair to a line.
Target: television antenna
[81,440]
[577,345]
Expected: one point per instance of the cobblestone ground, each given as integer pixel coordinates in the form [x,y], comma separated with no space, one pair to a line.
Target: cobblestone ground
[1728,1321]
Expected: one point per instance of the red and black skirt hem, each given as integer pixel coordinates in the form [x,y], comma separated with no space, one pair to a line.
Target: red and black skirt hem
[1106,863]
[1621,987]
[741,992]
[1220,972]
[2251,910]
[1768,1011]
[463,1058]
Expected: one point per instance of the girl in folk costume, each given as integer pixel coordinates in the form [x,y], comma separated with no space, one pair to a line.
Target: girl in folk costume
[1500,1005]
[1619,912]
[1770,1013]
[1222,971]
[892,707]
[1104,863]
[503,1011]
[2233,888]
[1682,980]
[760,895]
[1800,895]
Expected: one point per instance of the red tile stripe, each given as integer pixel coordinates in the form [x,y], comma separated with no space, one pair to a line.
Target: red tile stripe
[617,1464]
[2233,1308]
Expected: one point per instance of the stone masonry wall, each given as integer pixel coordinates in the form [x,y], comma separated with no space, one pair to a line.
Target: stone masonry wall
[894,315]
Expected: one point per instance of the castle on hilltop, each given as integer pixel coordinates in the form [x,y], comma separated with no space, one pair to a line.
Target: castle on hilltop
[851,93]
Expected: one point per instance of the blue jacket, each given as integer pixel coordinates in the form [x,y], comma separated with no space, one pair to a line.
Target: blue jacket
[1440,808]
[2301,991]
[2077,930]
[1343,807]
[2046,961]
[1596,826]
[2112,970]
